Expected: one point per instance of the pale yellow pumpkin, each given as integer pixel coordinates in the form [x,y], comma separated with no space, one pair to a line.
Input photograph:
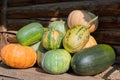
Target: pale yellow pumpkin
[82,17]
[91,42]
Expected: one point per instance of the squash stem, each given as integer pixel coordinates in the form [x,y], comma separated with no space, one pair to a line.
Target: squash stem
[92,21]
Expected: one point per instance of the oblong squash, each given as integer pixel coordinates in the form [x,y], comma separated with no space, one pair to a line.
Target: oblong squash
[30,34]
[93,60]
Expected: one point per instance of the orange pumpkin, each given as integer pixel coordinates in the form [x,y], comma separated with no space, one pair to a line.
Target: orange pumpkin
[82,17]
[18,56]
[91,42]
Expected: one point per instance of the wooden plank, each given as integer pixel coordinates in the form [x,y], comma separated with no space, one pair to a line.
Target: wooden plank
[104,7]
[104,22]
[109,36]
[12,3]
[117,49]
[36,73]
[16,24]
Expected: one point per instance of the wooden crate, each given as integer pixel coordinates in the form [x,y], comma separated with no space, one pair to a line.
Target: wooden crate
[15,14]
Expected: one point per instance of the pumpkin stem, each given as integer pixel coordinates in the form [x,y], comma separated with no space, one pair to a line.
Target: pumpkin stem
[92,21]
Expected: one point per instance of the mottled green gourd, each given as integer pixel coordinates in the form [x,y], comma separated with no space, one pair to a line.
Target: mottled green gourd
[93,60]
[52,39]
[56,61]
[76,38]
[59,26]
[30,34]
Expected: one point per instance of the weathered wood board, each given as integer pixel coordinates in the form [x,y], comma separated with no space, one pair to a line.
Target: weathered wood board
[36,73]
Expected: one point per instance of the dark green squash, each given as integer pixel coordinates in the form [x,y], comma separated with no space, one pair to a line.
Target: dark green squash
[93,60]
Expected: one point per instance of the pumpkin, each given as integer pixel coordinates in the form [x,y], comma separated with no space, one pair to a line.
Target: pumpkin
[82,17]
[56,61]
[91,42]
[76,38]
[18,56]
[52,39]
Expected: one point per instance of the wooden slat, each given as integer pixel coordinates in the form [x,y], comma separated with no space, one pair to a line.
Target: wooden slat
[12,3]
[117,49]
[36,73]
[108,36]
[104,7]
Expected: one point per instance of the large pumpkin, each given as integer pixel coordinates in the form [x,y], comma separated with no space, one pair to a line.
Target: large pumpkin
[82,17]
[17,56]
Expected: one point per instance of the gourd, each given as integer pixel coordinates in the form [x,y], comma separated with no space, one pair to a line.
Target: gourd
[52,39]
[56,61]
[76,38]
[30,34]
[91,42]
[59,26]
[40,54]
[93,60]
[82,17]
[18,56]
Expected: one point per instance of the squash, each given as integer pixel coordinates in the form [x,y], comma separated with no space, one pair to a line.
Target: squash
[52,39]
[59,26]
[30,34]
[93,60]
[82,17]
[18,56]
[40,53]
[56,61]
[91,42]
[76,38]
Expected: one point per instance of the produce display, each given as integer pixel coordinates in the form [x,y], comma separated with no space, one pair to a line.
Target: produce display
[61,46]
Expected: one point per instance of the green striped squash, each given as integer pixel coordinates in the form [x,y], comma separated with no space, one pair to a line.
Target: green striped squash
[52,39]
[76,38]
[56,61]
[30,34]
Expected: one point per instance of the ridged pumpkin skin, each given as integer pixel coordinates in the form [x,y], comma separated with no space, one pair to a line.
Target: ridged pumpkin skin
[52,39]
[91,42]
[30,34]
[93,60]
[56,61]
[82,17]
[17,56]
[75,38]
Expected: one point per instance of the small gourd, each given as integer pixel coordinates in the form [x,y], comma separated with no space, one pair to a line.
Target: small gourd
[52,39]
